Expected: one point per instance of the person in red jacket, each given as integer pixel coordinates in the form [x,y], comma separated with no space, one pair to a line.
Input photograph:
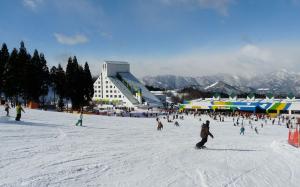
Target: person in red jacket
[204,135]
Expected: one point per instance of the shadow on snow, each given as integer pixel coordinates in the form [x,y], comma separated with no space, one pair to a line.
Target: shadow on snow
[228,149]
[6,120]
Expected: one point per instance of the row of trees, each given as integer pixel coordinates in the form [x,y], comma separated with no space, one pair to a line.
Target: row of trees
[25,76]
[76,83]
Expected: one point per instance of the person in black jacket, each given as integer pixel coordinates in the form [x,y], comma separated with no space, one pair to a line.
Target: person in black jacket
[204,135]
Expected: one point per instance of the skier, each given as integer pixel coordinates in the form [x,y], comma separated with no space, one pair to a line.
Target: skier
[80,119]
[242,131]
[204,135]
[7,109]
[176,123]
[19,110]
[256,130]
[159,126]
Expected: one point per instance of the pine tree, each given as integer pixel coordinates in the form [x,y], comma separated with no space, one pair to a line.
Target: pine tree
[44,76]
[31,81]
[52,76]
[11,87]
[88,84]
[79,83]
[58,80]
[61,82]
[4,57]
[73,85]
[21,70]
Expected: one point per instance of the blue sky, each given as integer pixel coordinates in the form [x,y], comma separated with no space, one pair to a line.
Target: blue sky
[184,37]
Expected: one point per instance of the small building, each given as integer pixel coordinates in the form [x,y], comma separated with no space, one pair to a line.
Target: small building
[161,96]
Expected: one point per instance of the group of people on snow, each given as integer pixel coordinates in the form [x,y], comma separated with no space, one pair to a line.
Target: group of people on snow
[19,110]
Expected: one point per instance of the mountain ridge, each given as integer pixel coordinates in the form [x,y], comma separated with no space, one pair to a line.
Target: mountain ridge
[278,82]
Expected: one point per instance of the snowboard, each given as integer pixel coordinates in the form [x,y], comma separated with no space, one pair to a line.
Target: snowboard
[203,147]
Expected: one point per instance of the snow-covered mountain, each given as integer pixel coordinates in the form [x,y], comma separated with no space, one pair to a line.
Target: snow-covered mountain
[222,87]
[170,81]
[282,81]
[279,82]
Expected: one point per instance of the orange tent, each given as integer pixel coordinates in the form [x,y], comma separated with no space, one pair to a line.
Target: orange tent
[33,105]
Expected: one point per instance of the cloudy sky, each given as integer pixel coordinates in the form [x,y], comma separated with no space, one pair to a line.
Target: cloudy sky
[181,37]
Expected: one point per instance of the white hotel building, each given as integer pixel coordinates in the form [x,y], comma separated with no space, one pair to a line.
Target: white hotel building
[117,85]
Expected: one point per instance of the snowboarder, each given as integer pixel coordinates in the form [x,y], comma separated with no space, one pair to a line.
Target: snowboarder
[19,110]
[242,131]
[159,126]
[176,123]
[79,122]
[7,109]
[204,135]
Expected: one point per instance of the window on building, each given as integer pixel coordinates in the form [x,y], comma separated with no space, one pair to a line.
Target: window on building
[106,82]
[110,86]
[106,91]
[98,86]
[106,95]
[120,96]
[110,91]
[115,96]
[111,96]
[115,91]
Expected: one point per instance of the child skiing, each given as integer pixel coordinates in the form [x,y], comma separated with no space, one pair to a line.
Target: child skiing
[204,135]
[80,119]
[7,109]
[19,110]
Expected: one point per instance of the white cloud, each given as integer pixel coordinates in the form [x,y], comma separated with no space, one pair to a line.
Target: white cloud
[71,40]
[32,4]
[254,52]
[247,60]
[221,6]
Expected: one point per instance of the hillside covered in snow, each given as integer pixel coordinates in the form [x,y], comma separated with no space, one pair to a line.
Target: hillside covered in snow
[279,82]
[47,149]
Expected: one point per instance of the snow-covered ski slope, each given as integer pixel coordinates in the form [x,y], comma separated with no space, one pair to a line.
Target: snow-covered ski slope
[46,149]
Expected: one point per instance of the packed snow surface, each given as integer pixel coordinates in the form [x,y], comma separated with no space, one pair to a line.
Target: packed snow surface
[47,149]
